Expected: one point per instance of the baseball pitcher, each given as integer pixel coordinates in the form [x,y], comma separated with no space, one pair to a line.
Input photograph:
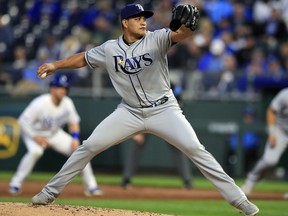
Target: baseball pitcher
[138,68]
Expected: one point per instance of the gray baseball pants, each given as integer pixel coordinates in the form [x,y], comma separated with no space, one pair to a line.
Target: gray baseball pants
[165,121]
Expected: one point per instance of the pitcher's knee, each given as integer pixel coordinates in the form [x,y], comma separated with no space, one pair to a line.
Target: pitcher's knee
[193,149]
[93,147]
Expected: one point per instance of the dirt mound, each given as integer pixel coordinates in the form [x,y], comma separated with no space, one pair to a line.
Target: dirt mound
[21,209]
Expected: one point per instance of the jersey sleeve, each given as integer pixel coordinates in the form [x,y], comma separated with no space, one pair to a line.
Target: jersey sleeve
[95,57]
[163,39]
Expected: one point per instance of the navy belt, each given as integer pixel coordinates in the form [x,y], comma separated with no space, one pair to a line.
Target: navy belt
[157,102]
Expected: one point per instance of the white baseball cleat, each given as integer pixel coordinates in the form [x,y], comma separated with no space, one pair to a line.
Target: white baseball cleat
[42,199]
[248,208]
[285,196]
[93,192]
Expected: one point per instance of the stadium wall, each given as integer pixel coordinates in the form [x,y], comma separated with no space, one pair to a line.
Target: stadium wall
[213,121]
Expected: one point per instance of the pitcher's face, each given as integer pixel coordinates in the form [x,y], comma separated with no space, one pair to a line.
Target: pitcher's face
[136,26]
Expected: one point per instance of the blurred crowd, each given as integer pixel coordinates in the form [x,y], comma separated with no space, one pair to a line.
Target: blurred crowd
[241,46]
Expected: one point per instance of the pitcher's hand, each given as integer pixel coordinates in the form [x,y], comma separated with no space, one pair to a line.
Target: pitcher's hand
[45,70]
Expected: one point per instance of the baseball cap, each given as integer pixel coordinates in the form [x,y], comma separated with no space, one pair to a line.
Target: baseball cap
[60,81]
[133,10]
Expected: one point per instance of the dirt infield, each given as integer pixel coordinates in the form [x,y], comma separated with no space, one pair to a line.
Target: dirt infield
[22,209]
[110,192]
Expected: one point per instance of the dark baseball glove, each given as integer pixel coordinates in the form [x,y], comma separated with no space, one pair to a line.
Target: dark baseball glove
[187,15]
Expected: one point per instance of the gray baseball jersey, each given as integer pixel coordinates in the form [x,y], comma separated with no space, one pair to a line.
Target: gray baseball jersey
[139,73]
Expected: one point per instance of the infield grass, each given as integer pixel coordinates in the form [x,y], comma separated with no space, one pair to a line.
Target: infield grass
[173,207]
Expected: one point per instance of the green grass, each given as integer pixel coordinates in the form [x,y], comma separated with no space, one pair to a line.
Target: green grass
[174,207]
[156,181]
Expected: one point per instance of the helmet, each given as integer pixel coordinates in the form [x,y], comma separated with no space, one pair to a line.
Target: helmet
[60,81]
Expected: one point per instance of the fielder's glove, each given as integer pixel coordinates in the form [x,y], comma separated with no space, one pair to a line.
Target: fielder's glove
[187,15]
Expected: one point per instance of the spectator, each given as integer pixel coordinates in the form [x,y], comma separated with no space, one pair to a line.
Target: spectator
[261,11]
[19,63]
[227,82]
[255,68]
[102,30]
[51,46]
[6,39]
[48,10]
[30,82]
[211,64]
[275,27]
[217,10]
[212,61]
[274,69]
[283,56]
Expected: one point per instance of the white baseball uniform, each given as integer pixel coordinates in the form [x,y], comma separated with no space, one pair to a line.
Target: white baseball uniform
[271,156]
[42,117]
[139,73]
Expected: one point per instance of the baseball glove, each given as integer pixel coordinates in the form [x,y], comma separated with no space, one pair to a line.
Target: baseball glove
[187,15]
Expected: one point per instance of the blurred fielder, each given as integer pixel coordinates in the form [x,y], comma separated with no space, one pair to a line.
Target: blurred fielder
[41,128]
[277,125]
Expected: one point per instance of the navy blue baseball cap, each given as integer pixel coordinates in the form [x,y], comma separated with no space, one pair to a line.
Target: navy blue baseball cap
[134,10]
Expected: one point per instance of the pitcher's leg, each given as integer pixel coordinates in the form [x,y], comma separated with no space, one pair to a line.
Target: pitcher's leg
[62,143]
[112,130]
[73,166]
[178,132]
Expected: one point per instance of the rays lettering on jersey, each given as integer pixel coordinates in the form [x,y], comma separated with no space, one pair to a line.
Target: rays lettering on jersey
[132,65]
[49,122]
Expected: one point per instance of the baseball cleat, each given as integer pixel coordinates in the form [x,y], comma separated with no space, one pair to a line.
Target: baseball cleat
[14,190]
[93,192]
[126,184]
[248,208]
[42,199]
[285,196]
[187,185]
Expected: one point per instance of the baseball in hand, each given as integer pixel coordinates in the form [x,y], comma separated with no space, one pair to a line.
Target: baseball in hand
[43,75]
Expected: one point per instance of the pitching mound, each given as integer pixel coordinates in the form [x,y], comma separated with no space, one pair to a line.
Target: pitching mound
[21,209]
